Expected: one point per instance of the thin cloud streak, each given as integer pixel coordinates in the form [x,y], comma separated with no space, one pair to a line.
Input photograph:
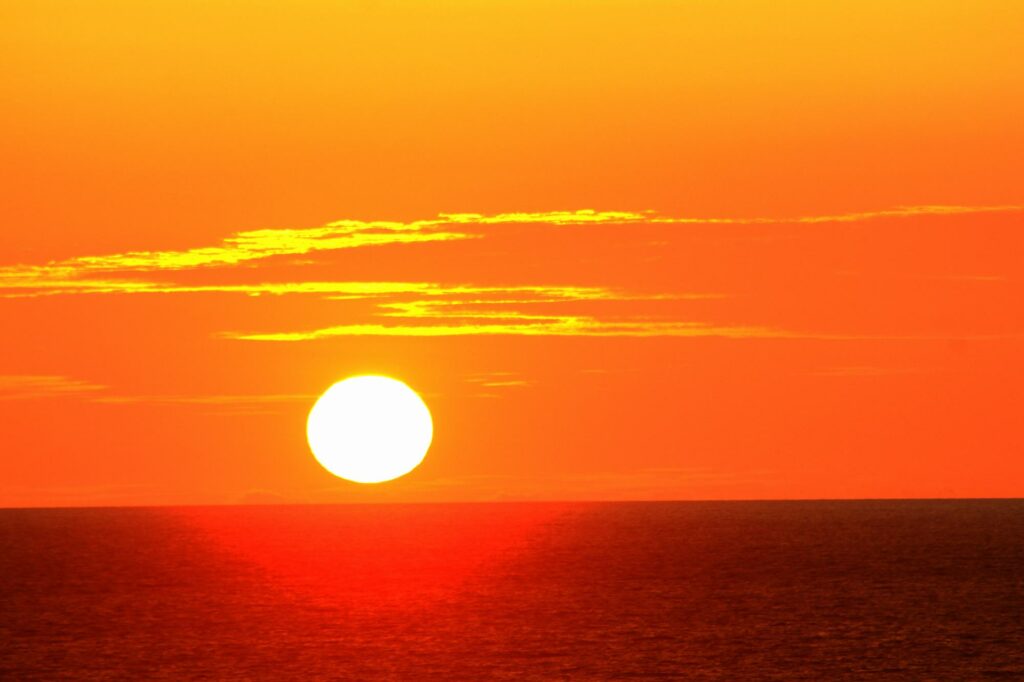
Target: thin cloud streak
[92,274]
[862,371]
[14,387]
[43,386]
[334,290]
[420,309]
[259,244]
[590,216]
[220,400]
[855,217]
[461,311]
[553,325]
[97,274]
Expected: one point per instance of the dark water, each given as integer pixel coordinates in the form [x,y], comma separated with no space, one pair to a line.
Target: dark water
[702,591]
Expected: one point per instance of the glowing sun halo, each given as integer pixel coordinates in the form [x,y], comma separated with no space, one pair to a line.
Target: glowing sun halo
[369,429]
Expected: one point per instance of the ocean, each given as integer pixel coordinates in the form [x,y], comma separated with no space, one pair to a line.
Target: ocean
[816,590]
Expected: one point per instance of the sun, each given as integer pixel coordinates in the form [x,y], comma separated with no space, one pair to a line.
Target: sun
[369,429]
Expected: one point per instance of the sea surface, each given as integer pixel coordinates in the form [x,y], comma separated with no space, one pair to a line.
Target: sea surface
[901,590]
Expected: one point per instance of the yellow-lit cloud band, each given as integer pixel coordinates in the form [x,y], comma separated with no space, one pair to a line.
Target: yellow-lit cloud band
[423,309]
[33,386]
[555,326]
[92,274]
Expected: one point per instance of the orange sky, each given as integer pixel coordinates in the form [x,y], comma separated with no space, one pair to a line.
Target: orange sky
[626,249]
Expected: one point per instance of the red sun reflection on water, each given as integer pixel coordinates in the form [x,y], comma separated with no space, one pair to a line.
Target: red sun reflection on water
[381,554]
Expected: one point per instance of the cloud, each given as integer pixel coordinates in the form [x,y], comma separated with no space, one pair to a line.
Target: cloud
[535,325]
[41,386]
[869,371]
[100,274]
[590,216]
[97,274]
[30,287]
[491,384]
[334,290]
[120,272]
[219,400]
[855,217]
[497,379]
[510,311]
[49,386]
[245,405]
[421,309]
[260,244]
[451,310]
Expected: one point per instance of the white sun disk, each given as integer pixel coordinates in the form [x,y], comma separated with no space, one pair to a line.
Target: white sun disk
[369,429]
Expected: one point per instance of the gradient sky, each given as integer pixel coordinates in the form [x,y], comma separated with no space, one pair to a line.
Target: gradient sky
[626,249]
